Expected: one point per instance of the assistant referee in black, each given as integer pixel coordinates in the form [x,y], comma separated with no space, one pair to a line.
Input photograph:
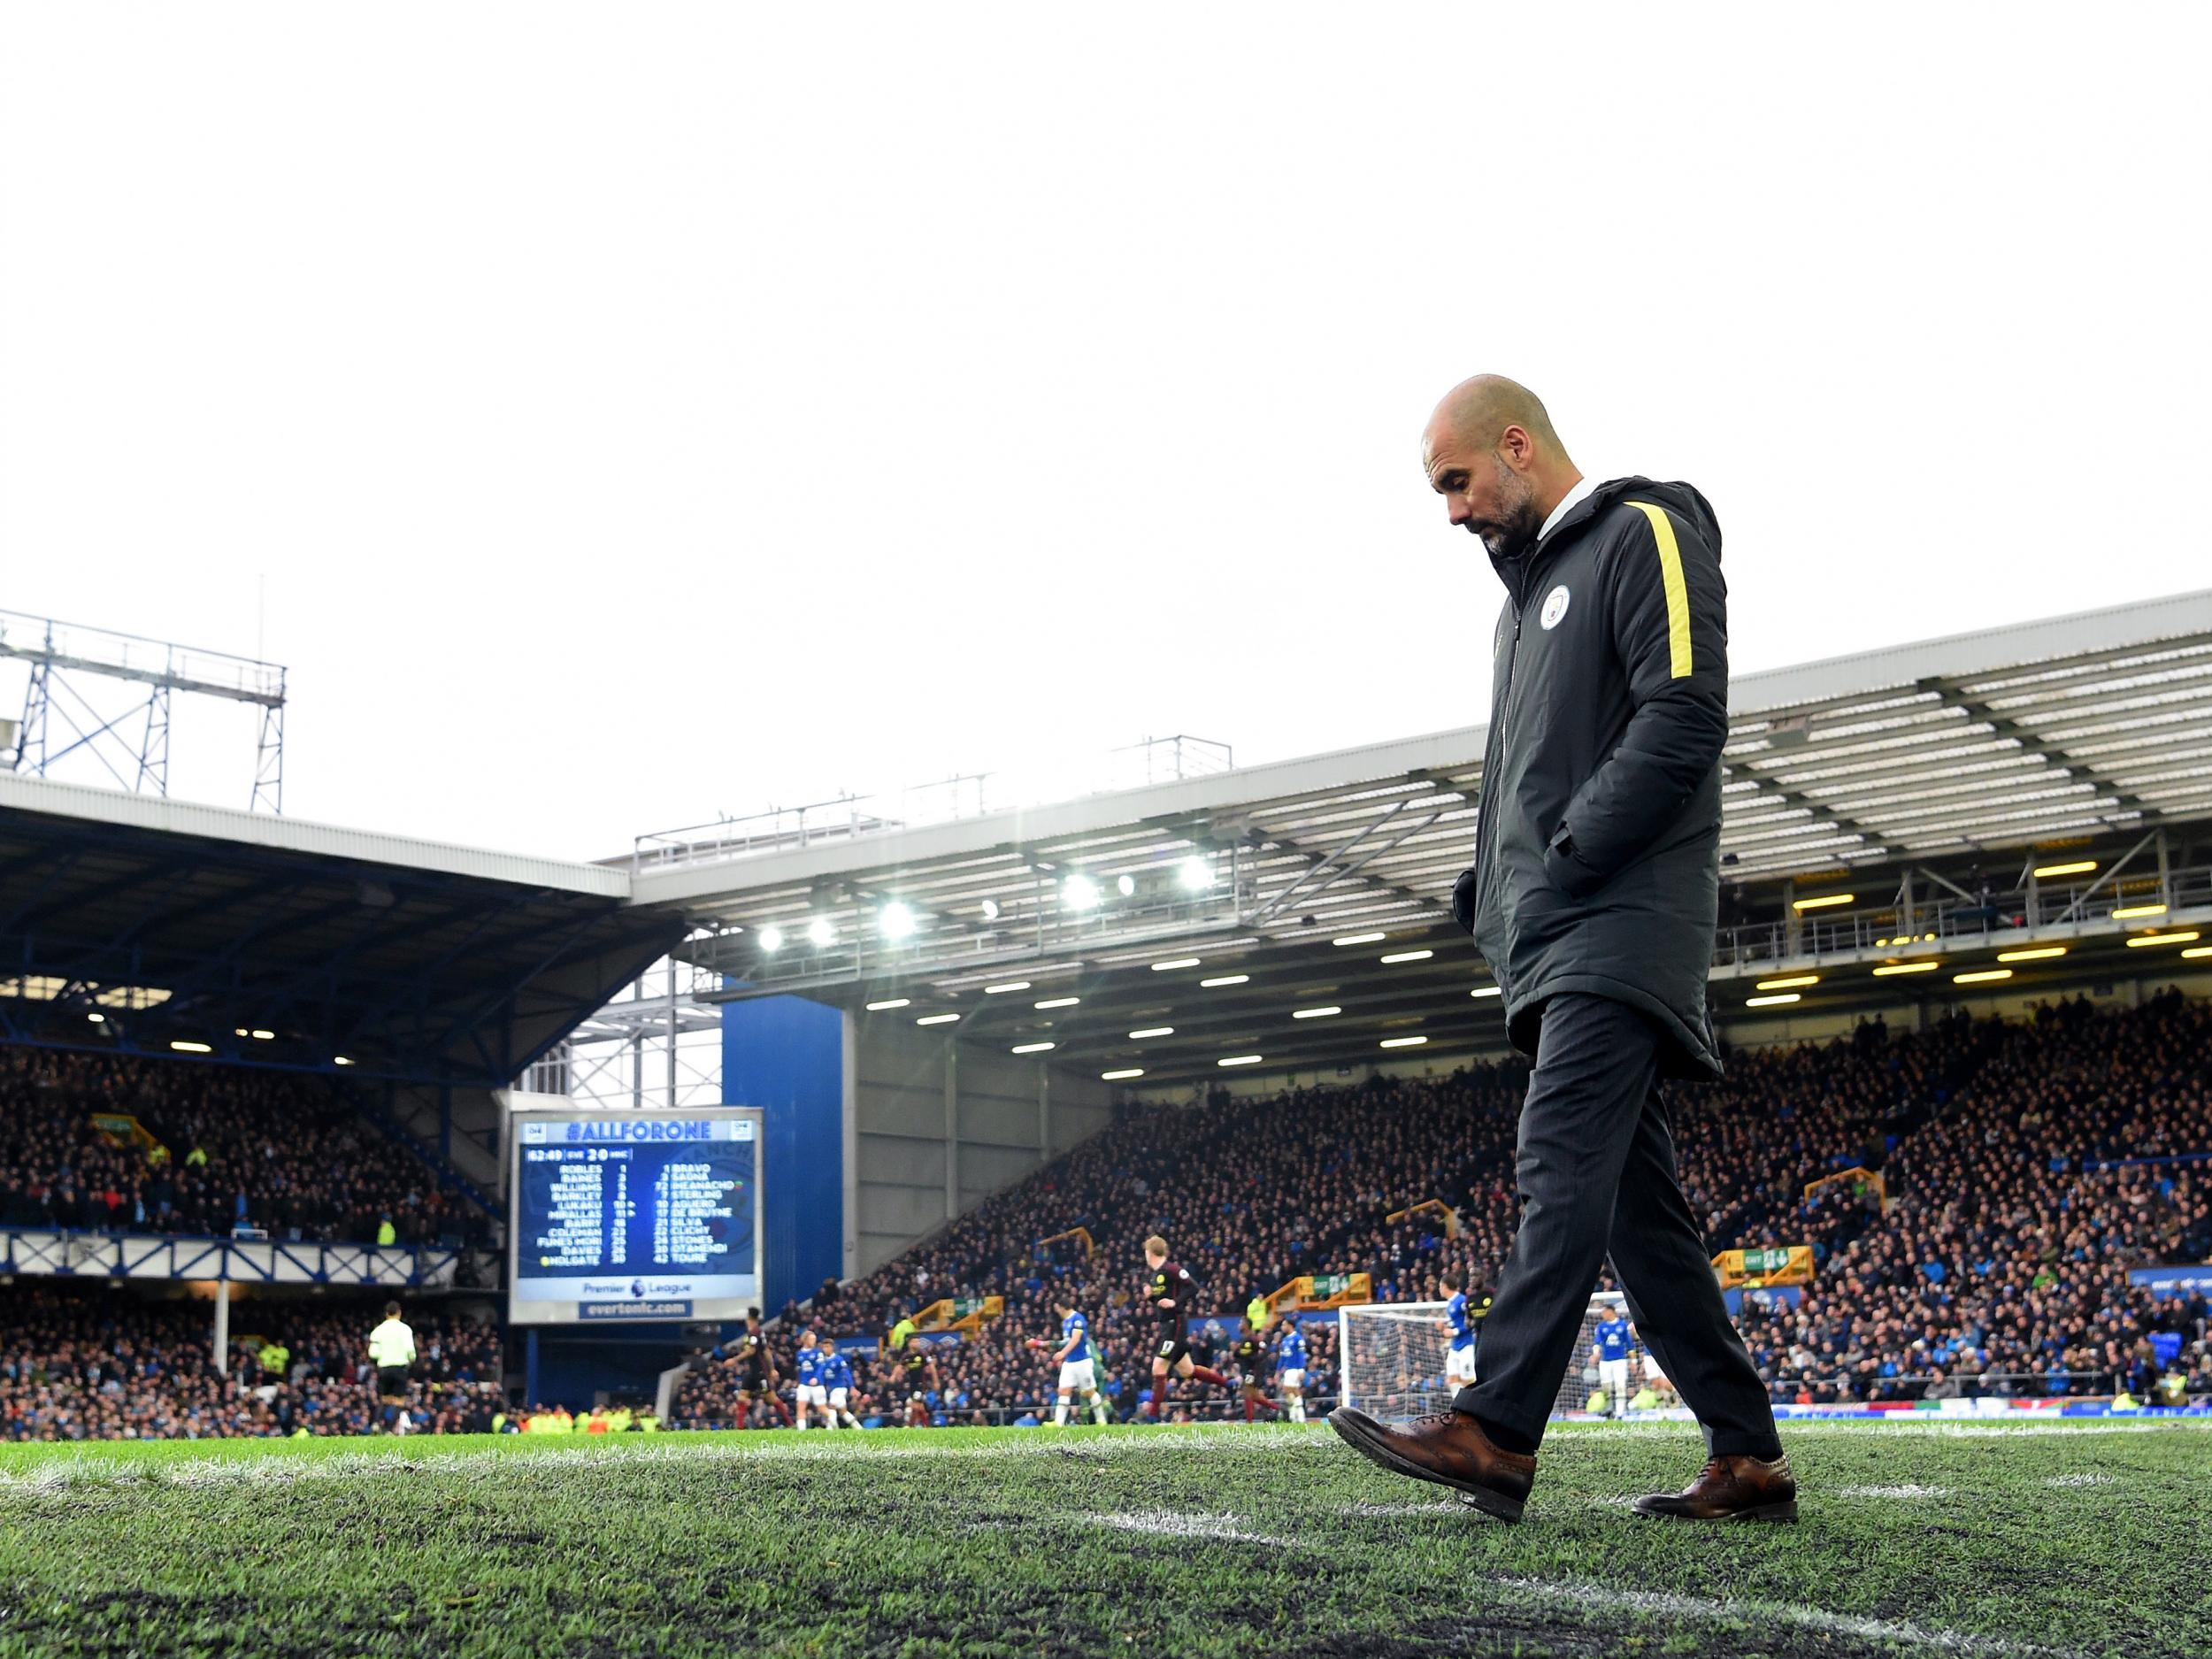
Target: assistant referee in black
[1593,896]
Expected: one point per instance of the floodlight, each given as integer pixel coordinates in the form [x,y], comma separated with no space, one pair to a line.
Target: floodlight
[1825,902]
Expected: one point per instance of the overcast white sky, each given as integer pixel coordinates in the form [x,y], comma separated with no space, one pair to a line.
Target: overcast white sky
[631,412]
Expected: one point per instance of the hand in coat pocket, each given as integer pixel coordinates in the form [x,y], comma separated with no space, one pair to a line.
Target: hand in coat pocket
[1563,868]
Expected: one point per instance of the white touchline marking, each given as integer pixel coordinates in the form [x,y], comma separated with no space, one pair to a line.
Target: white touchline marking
[1891,1492]
[1576,1593]
[1902,1425]
[2079,1480]
[1167,1524]
[517,1458]
[1995,1431]
[1355,1511]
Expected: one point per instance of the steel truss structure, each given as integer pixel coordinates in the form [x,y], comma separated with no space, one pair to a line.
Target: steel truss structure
[1870,801]
[62,656]
[658,1044]
[54,1254]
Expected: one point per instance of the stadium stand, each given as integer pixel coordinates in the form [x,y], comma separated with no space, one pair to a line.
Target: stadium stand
[2002,1265]
[1999,1266]
[1247,1199]
[2029,1166]
[90,1363]
[224,1147]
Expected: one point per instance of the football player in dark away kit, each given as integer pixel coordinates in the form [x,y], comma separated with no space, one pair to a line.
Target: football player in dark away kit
[1169,1290]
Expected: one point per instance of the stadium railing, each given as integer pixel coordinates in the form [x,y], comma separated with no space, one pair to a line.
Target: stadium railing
[1757,1268]
[1317,1293]
[1436,1207]
[1860,1181]
[1080,1235]
[957,1313]
[1927,919]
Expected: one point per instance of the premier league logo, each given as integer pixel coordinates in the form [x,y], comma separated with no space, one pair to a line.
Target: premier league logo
[637,1287]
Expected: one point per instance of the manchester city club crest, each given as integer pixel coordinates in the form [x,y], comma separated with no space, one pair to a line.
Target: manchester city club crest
[1554,607]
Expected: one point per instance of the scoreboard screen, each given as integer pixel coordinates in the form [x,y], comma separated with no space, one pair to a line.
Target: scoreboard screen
[635,1215]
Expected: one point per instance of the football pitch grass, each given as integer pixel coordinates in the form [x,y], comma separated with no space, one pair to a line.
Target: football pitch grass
[2038,1539]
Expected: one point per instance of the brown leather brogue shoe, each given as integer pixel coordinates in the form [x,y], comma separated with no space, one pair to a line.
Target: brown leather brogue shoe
[1731,1489]
[1448,1447]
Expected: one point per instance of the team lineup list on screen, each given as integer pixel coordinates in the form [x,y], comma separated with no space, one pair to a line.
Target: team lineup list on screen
[634,1215]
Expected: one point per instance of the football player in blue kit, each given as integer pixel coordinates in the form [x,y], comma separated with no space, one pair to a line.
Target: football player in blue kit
[837,1377]
[1290,1368]
[1609,1349]
[810,1364]
[1459,1329]
[1076,1356]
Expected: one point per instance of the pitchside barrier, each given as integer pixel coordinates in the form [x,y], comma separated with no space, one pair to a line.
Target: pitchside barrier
[1985,1408]
[1391,1357]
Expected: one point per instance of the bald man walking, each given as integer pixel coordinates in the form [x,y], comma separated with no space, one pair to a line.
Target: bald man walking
[1593,896]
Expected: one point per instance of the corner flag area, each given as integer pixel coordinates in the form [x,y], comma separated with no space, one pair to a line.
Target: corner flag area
[2046,1539]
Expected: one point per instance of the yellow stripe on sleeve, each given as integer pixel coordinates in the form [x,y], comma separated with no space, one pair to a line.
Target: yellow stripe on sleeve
[1677,594]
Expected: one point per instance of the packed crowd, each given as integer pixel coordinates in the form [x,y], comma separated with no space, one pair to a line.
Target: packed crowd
[217,1147]
[2000,1265]
[1247,1195]
[96,1362]
[2028,1166]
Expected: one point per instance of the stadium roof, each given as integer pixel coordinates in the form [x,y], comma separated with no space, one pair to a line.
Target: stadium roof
[1941,757]
[172,923]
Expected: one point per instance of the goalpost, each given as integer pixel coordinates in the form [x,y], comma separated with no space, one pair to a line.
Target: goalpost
[1390,1357]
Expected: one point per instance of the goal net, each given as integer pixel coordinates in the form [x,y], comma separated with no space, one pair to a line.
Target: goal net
[1391,1357]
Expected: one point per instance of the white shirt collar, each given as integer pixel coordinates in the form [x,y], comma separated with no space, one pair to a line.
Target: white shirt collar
[1568,502]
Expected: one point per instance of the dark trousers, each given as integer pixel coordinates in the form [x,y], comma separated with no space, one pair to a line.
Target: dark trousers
[1595,1169]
